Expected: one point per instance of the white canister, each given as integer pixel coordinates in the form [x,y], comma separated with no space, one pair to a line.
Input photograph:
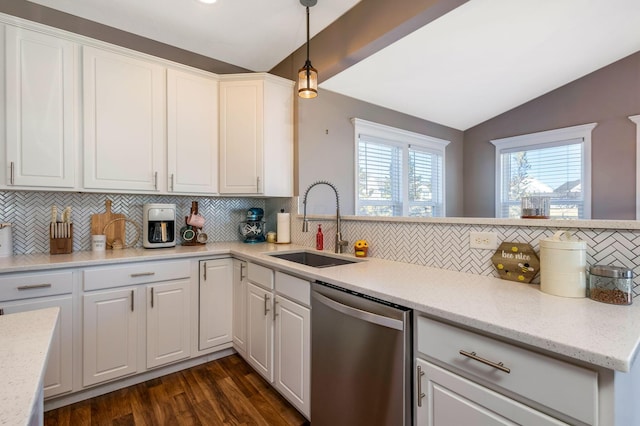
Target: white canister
[563,265]
[6,240]
[99,242]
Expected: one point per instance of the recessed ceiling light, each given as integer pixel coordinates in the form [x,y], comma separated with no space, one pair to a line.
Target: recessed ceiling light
[207,1]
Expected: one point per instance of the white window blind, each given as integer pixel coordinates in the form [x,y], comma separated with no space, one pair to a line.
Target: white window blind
[399,173]
[552,164]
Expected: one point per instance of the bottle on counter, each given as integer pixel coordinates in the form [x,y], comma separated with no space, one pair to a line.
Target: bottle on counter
[319,239]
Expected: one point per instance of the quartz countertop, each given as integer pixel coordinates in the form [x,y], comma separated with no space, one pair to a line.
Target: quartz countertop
[25,338]
[579,328]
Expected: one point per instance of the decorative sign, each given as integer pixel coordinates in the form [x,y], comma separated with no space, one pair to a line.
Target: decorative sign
[516,262]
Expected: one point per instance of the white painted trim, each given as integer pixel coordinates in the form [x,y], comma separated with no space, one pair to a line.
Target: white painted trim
[407,137]
[636,119]
[582,131]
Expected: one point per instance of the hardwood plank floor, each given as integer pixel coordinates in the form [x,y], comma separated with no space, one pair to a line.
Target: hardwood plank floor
[222,392]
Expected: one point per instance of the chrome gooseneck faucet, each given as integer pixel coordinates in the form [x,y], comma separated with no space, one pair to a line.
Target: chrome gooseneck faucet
[340,243]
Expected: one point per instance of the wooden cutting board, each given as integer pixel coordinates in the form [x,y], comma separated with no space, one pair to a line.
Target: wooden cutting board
[115,231]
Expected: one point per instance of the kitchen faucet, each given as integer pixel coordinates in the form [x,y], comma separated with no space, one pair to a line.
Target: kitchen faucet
[340,243]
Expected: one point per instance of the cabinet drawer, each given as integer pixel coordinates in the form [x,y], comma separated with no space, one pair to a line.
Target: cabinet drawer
[136,273]
[556,384]
[260,275]
[26,286]
[294,288]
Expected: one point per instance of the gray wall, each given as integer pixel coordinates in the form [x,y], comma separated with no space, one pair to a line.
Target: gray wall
[607,97]
[326,149]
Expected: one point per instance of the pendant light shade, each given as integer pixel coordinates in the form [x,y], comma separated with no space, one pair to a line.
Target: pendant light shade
[308,75]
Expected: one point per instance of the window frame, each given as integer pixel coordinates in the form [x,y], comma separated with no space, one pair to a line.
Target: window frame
[547,138]
[403,139]
[636,119]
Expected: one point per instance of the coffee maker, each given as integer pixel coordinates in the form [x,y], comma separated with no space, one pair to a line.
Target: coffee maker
[159,225]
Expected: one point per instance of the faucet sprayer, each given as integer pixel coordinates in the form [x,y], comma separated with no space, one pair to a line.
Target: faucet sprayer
[340,243]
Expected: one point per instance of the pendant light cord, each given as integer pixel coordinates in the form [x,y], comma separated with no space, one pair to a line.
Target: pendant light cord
[307,33]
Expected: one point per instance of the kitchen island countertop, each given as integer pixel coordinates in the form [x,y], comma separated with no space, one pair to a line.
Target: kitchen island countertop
[25,338]
[578,328]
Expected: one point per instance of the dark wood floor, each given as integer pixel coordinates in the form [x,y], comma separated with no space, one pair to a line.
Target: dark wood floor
[222,392]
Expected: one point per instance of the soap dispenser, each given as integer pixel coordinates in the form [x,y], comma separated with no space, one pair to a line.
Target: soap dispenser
[319,239]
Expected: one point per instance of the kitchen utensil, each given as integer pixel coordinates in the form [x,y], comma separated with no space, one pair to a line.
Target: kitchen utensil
[202,237]
[159,225]
[188,234]
[114,232]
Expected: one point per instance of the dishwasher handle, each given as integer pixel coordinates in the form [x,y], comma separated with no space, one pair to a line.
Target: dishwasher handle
[359,313]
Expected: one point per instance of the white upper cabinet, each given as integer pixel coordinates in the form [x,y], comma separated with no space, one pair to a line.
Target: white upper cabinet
[40,110]
[256,135]
[124,100]
[192,132]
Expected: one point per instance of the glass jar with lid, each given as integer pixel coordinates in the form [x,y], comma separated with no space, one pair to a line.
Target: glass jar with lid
[611,284]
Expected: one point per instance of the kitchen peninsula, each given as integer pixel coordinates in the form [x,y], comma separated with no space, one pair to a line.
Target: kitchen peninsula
[24,345]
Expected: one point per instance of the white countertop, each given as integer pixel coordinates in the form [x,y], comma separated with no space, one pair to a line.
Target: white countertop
[582,329]
[24,345]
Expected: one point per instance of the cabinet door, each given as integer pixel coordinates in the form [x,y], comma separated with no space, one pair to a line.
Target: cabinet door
[123,122]
[453,400]
[216,300]
[58,376]
[192,132]
[260,331]
[241,137]
[239,323]
[293,353]
[41,108]
[110,334]
[168,324]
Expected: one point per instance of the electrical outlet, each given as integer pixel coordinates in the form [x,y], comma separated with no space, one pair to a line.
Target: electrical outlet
[483,240]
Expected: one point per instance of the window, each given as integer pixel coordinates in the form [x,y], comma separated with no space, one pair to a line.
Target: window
[399,173]
[555,163]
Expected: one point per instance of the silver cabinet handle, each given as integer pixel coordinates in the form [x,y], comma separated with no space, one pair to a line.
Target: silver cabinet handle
[419,379]
[275,309]
[33,286]
[266,304]
[1,311]
[11,173]
[155,180]
[204,271]
[171,182]
[499,365]
[152,297]
[142,274]
[242,265]
[132,301]
[258,184]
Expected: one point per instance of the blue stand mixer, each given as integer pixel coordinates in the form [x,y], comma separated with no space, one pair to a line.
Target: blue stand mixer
[253,229]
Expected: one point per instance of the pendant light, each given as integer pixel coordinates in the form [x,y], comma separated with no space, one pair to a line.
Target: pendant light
[308,75]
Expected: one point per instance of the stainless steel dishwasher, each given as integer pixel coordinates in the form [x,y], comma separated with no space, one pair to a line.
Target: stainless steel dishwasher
[360,359]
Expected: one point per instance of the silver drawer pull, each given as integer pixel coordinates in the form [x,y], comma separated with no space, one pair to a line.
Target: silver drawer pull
[34,286]
[419,380]
[500,366]
[142,274]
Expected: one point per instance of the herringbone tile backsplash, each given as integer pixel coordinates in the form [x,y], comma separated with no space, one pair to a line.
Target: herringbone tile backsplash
[30,213]
[440,245]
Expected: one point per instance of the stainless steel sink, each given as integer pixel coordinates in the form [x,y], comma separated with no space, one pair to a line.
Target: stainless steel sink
[313,259]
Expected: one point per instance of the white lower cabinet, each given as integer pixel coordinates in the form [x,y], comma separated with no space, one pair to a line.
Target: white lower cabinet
[168,323]
[239,320]
[58,376]
[123,305]
[28,292]
[260,330]
[216,299]
[279,333]
[110,335]
[293,352]
[450,399]
[466,378]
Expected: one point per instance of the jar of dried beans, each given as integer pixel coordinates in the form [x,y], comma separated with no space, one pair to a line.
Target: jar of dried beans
[611,284]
